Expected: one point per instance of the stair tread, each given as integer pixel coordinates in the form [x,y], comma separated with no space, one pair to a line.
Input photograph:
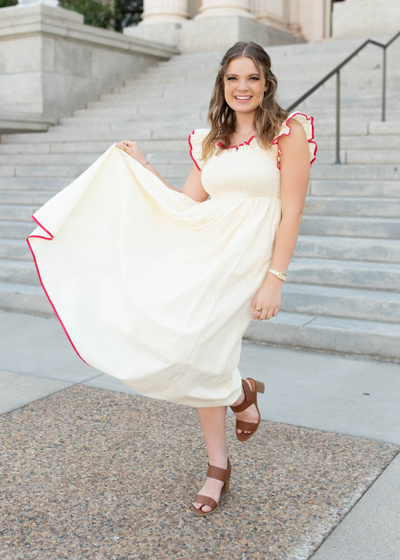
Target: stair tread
[316,290]
[309,321]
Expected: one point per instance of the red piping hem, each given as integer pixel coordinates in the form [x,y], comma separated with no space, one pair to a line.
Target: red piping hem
[191,150]
[310,140]
[237,147]
[41,282]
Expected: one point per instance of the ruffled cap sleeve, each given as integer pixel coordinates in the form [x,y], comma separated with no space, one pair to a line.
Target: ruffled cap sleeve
[195,139]
[308,125]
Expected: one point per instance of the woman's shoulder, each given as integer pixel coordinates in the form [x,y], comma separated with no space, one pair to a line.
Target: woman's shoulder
[295,121]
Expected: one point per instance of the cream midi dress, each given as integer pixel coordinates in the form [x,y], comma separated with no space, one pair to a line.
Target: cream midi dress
[153,287]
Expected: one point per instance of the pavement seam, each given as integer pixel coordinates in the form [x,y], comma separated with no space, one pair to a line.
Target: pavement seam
[353,506]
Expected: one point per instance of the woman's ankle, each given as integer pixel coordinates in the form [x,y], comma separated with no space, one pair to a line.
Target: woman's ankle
[219,460]
[240,399]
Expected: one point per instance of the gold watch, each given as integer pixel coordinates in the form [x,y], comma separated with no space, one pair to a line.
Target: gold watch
[280,275]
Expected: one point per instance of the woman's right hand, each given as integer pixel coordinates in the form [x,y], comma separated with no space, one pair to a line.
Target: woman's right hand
[132,149]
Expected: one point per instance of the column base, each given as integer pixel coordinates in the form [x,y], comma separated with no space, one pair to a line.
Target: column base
[212,33]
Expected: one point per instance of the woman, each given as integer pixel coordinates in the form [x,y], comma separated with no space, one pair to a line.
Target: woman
[157,286]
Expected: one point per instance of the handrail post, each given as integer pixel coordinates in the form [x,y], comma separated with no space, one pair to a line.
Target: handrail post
[338,116]
[384,84]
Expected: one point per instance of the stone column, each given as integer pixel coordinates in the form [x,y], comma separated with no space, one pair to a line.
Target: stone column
[216,8]
[264,10]
[294,26]
[161,11]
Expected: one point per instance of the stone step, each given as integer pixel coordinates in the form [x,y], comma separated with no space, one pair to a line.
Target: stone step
[336,334]
[344,274]
[353,206]
[382,228]
[16,223]
[146,131]
[371,156]
[23,297]
[320,171]
[15,249]
[370,143]
[50,159]
[350,81]
[356,172]
[348,248]
[56,184]
[384,127]
[17,212]
[87,158]
[354,188]
[18,272]
[133,109]
[43,170]
[18,228]
[94,147]
[36,184]
[24,198]
[380,144]
[351,303]
[354,336]
[309,246]
[152,114]
[322,272]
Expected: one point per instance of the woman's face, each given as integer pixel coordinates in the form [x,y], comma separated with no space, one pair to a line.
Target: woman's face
[243,80]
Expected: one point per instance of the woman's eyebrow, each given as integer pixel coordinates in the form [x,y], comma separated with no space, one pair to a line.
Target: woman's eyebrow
[253,74]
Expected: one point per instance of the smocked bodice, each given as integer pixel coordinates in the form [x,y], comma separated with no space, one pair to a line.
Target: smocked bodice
[247,170]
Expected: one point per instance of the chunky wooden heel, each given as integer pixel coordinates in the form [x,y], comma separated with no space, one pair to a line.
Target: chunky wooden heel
[225,488]
[260,386]
[250,397]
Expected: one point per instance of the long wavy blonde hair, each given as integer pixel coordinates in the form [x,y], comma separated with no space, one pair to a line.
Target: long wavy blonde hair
[222,118]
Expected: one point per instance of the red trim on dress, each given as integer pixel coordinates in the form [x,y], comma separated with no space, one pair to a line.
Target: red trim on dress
[310,141]
[237,147]
[191,150]
[40,278]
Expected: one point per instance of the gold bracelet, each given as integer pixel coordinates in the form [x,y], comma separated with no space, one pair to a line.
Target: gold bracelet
[147,162]
[280,275]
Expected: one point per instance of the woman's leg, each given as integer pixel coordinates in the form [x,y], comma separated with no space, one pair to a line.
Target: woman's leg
[213,423]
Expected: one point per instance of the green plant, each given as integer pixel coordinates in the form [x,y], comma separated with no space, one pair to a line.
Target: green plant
[94,12]
[6,3]
[127,13]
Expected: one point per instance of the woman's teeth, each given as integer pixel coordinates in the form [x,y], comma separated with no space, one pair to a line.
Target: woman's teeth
[243,97]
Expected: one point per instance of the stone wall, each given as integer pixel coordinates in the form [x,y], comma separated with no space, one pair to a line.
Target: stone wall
[51,63]
[364,18]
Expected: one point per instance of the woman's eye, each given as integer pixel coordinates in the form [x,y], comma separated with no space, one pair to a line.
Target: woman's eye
[253,78]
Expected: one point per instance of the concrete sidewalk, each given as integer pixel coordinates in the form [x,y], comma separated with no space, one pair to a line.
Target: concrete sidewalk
[348,396]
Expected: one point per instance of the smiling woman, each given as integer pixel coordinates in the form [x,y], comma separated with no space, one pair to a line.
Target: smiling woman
[157,287]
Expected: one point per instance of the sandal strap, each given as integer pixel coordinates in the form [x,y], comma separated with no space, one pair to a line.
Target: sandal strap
[206,501]
[218,473]
[249,398]
[247,426]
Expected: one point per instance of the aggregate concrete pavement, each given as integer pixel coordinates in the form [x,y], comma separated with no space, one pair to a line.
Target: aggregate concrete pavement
[322,391]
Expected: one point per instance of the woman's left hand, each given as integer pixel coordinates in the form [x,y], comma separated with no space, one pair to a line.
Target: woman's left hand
[268,299]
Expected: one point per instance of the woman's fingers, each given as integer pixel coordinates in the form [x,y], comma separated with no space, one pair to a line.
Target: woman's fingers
[265,313]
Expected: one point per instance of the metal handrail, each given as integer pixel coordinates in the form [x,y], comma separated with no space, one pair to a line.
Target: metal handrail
[336,71]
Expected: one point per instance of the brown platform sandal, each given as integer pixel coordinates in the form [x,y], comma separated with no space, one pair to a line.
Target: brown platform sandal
[250,397]
[219,474]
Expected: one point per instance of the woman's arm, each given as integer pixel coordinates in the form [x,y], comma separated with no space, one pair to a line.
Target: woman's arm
[192,187]
[295,177]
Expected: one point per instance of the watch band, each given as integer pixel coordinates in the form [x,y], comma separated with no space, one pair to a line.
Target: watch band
[280,275]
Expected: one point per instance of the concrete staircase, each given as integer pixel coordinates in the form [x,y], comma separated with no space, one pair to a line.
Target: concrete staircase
[343,287]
